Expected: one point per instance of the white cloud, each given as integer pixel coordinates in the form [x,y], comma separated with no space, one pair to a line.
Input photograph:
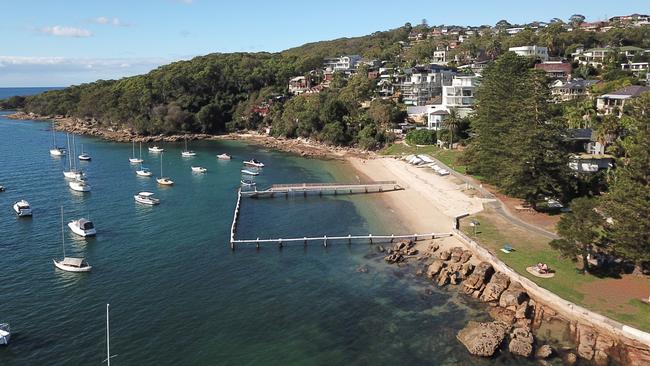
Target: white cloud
[61,71]
[62,31]
[117,22]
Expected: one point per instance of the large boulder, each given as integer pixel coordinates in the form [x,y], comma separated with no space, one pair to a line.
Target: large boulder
[444,255]
[435,267]
[479,277]
[456,254]
[521,342]
[512,297]
[443,277]
[465,256]
[602,349]
[498,283]
[466,270]
[586,342]
[482,339]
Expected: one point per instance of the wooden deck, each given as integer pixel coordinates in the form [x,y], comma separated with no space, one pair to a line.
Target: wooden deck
[323,188]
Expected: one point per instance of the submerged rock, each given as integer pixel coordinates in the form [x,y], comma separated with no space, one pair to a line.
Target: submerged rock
[362,269]
[482,339]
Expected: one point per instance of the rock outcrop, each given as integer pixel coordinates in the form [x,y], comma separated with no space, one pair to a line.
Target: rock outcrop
[482,339]
[498,283]
[521,342]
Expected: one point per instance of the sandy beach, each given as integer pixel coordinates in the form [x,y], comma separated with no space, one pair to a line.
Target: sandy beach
[428,203]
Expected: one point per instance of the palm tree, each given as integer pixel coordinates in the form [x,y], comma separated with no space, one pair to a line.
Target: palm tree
[452,123]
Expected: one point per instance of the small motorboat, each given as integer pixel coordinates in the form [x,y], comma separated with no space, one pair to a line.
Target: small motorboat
[22,208]
[254,163]
[250,172]
[146,198]
[70,264]
[79,185]
[248,183]
[82,227]
[57,151]
[5,334]
[143,172]
[199,169]
[156,149]
[135,160]
[2,188]
[224,156]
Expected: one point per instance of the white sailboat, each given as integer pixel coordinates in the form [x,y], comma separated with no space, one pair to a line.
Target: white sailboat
[133,159]
[79,185]
[70,264]
[55,150]
[162,180]
[70,173]
[199,169]
[143,172]
[108,339]
[187,153]
[224,156]
[156,149]
[84,156]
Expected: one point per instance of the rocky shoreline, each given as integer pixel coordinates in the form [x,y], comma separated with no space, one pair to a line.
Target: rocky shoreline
[302,147]
[517,318]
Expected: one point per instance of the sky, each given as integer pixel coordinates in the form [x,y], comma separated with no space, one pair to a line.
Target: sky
[65,42]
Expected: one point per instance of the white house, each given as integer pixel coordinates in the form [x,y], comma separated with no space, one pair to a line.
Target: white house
[440,57]
[422,83]
[459,95]
[343,63]
[615,101]
[531,51]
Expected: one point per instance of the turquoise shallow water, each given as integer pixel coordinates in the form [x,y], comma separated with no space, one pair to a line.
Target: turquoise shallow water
[178,294]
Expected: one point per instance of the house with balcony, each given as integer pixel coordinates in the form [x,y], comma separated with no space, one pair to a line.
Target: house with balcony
[298,85]
[459,95]
[563,91]
[439,57]
[531,51]
[587,153]
[421,83]
[594,57]
[346,64]
[636,67]
[555,70]
[613,103]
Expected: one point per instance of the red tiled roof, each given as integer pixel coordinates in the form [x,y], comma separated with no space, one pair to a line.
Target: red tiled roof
[564,67]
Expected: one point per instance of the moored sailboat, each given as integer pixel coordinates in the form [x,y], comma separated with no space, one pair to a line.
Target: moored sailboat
[162,180]
[70,264]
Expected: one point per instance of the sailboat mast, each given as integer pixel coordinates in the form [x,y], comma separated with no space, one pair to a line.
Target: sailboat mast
[67,137]
[62,233]
[133,148]
[161,172]
[108,339]
[140,150]
[53,136]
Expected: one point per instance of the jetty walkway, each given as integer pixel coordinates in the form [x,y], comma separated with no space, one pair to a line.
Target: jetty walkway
[323,188]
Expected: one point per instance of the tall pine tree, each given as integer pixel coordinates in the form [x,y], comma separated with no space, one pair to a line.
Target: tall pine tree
[516,146]
[628,199]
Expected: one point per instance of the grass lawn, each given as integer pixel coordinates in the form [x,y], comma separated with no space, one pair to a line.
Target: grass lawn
[448,157]
[493,232]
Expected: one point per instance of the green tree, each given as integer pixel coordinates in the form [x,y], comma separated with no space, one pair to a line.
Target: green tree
[629,194]
[580,231]
[515,144]
[452,124]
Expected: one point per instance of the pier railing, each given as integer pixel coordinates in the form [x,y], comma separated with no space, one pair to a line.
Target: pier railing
[323,188]
[325,240]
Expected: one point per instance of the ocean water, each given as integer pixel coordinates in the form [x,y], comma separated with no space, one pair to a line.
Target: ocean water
[10,92]
[179,295]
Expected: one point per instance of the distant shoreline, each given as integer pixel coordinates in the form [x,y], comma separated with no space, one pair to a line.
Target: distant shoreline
[302,147]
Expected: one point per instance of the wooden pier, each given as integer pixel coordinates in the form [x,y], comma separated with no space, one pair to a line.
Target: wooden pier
[323,188]
[325,240]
